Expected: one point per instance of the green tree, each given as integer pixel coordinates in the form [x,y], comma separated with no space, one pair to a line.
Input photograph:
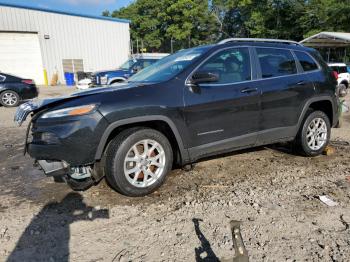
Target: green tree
[194,22]
[157,23]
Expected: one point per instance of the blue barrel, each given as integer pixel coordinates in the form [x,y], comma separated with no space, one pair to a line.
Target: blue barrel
[69,77]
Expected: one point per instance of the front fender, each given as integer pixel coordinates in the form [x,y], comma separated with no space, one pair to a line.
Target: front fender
[133,120]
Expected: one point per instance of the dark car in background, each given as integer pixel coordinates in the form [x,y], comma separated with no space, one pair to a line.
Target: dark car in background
[125,71]
[196,103]
[14,89]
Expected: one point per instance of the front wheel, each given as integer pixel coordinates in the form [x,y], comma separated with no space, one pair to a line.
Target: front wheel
[314,135]
[137,161]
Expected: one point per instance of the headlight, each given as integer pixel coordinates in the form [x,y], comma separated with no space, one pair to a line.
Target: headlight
[104,80]
[71,111]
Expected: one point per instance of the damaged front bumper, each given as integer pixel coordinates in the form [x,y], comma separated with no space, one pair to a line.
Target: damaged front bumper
[54,168]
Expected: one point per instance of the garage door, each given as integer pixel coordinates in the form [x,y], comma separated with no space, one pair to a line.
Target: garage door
[20,55]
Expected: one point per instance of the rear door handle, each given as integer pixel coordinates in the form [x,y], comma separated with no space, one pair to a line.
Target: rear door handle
[301,83]
[249,90]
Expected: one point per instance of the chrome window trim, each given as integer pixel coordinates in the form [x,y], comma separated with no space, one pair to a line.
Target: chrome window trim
[251,65]
[218,51]
[263,79]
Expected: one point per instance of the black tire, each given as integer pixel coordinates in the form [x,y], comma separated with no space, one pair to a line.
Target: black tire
[301,139]
[117,151]
[6,93]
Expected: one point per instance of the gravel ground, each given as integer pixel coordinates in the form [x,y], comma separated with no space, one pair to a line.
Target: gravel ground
[272,191]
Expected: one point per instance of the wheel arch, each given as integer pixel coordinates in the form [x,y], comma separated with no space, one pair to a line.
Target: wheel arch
[345,82]
[160,123]
[324,104]
[114,79]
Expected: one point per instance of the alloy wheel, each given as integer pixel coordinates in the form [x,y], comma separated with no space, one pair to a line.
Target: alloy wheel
[9,99]
[317,134]
[144,163]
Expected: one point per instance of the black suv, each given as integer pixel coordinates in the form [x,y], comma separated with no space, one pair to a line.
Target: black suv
[196,103]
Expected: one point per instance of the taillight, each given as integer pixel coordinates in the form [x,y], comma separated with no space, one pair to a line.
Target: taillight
[336,75]
[28,81]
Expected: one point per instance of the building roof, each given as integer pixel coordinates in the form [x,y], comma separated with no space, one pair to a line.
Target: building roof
[328,39]
[65,13]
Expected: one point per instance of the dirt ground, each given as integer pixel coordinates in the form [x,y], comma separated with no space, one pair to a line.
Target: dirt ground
[273,192]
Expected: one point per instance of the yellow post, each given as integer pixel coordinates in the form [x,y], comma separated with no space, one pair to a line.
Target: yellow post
[45,78]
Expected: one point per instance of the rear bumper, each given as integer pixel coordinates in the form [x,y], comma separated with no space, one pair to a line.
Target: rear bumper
[336,112]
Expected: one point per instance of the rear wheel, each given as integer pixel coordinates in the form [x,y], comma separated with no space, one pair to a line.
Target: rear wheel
[138,161]
[9,98]
[314,135]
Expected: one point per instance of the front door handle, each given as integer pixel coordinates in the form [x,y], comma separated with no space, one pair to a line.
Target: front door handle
[301,83]
[249,90]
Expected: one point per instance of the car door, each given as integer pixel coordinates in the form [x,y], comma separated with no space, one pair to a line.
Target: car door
[284,91]
[225,114]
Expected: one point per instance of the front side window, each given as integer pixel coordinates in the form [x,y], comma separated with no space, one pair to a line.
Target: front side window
[231,66]
[276,62]
[307,63]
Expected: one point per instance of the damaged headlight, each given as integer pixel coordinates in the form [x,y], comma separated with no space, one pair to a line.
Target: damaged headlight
[45,138]
[71,111]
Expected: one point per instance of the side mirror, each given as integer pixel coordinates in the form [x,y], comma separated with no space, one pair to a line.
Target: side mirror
[204,77]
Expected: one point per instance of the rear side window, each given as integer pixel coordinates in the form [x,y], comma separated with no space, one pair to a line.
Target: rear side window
[306,61]
[276,62]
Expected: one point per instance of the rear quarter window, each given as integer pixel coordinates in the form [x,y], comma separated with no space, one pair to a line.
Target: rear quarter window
[306,61]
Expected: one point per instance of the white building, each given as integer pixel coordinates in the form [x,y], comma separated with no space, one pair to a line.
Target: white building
[34,41]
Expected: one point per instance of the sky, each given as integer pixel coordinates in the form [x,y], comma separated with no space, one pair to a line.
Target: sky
[89,7]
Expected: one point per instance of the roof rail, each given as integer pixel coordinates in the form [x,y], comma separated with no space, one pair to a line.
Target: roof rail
[259,40]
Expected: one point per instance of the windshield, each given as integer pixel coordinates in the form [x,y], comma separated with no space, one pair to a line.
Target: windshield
[169,66]
[128,64]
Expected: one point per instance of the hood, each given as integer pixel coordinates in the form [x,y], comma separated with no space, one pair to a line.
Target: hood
[108,89]
[37,105]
